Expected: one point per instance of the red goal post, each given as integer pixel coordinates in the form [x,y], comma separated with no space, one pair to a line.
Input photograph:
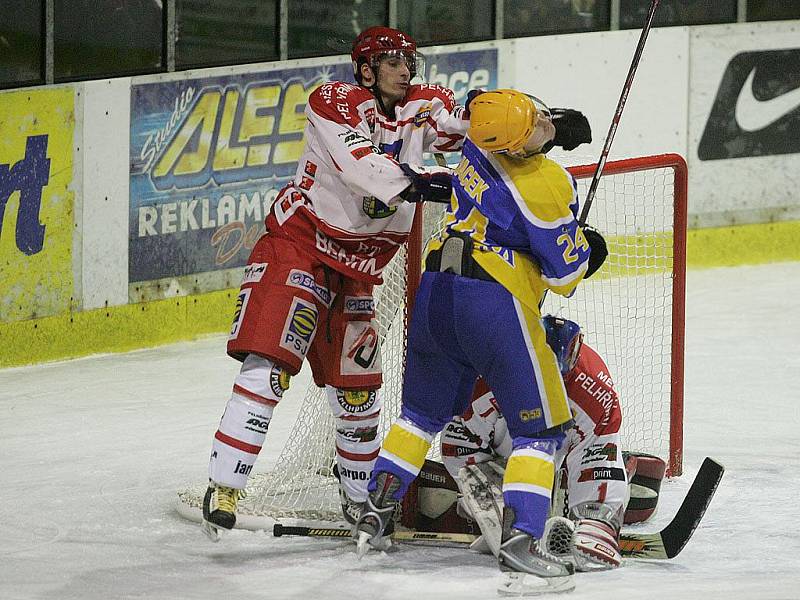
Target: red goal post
[657,243]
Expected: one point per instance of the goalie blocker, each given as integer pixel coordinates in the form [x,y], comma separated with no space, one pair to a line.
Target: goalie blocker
[431,503]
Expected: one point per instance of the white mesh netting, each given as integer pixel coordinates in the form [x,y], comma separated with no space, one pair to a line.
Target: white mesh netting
[625,311]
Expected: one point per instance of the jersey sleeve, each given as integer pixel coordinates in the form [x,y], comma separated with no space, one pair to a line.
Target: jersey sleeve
[548,203]
[446,123]
[339,114]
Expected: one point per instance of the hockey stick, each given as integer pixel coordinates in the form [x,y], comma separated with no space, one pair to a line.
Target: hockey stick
[432,537]
[668,542]
[663,544]
[618,113]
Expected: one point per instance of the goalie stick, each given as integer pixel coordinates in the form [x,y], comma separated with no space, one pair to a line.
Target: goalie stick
[668,542]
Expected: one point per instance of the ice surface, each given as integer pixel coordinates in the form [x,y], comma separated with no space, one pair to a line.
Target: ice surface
[92,452]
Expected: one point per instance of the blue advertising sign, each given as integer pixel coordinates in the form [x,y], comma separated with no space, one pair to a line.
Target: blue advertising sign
[209,155]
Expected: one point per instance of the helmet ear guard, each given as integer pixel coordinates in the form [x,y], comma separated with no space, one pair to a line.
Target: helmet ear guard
[565,338]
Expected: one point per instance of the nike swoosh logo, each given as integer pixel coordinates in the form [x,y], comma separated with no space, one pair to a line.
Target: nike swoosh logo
[753,115]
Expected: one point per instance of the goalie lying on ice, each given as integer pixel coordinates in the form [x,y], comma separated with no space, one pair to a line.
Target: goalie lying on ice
[593,479]
[511,233]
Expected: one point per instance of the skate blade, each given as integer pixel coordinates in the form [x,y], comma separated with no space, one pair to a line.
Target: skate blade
[211,532]
[523,584]
[362,544]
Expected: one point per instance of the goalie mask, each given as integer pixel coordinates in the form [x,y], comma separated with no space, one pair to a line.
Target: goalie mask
[565,339]
[376,43]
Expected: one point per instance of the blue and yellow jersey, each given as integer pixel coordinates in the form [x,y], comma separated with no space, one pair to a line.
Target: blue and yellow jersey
[521,215]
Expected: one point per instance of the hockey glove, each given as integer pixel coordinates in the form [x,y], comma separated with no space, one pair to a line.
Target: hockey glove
[471,95]
[598,248]
[427,187]
[572,128]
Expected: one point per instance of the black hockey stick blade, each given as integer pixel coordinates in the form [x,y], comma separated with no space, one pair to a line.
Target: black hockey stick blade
[668,542]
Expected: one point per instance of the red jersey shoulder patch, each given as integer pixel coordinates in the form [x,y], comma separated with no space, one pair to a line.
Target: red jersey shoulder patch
[338,101]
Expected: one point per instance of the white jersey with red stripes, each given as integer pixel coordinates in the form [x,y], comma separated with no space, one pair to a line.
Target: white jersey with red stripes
[591,455]
[342,203]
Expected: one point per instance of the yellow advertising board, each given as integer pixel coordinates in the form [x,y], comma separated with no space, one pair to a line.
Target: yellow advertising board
[36,202]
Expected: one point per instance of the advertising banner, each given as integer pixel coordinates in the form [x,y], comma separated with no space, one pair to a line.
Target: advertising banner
[36,203]
[744,127]
[209,155]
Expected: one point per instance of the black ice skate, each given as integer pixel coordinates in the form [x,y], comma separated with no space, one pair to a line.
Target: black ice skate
[351,509]
[374,525]
[219,509]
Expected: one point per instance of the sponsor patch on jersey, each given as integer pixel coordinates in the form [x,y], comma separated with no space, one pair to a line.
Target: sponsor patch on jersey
[600,473]
[278,381]
[238,315]
[306,281]
[600,452]
[300,326]
[360,349]
[422,115]
[254,272]
[356,401]
[530,415]
[375,209]
[359,305]
[359,434]
[360,153]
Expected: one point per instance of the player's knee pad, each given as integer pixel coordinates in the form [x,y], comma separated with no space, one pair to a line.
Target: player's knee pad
[354,404]
[257,389]
[357,442]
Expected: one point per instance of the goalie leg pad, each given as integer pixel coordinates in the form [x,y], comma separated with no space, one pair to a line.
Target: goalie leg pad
[645,485]
[596,546]
[244,423]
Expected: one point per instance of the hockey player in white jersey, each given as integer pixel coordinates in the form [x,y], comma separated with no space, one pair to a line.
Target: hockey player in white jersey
[307,287]
[597,482]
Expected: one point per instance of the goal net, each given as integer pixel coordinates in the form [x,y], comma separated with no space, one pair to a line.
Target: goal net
[631,311]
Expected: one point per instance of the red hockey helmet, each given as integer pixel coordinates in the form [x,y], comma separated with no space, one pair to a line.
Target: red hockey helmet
[376,42]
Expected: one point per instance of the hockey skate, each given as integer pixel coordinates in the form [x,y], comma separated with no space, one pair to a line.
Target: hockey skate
[530,570]
[374,524]
[219,509]
[351,509]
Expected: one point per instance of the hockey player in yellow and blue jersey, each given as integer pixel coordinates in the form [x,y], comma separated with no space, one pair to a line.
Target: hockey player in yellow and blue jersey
[511,234]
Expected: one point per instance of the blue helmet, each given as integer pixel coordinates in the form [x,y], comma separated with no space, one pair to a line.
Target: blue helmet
[565,338]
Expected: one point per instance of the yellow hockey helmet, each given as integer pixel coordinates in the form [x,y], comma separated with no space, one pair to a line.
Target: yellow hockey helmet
[501,120]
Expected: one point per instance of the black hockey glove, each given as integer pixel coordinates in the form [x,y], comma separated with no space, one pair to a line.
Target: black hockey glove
[572,129]
[427,187]
[598,248]
[471,95]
